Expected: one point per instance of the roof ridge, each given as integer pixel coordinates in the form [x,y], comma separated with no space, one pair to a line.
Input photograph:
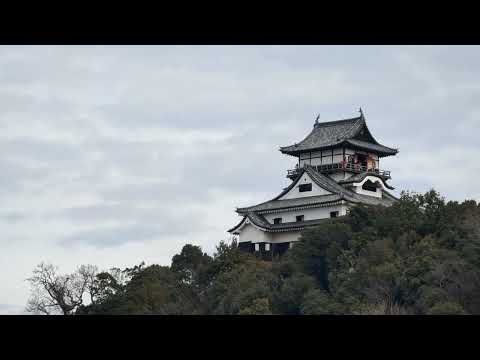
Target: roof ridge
[336,122]
[309,197]
[327,181]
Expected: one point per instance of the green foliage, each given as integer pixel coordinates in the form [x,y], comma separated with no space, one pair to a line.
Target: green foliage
[240,287]
[290,296]
[259,306]
[446,308]
[419,256]
[316,254]
[192,265]
[318,302]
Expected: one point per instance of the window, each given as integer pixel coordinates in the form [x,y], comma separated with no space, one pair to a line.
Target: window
[334,214]
[300,218]
[267,247]
[362,159]
[277,220]
[370,186]
[305,187]
[257,247]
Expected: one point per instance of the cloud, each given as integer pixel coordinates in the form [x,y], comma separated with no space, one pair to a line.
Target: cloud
[114,155]
[9,309]
[112,236]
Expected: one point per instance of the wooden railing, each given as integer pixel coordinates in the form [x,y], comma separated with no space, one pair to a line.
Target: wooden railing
[357,168]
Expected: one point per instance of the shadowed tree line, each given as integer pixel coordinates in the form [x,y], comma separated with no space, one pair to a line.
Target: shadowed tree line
[419,256]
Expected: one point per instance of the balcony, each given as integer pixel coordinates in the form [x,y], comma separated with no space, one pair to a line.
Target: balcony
[341,166]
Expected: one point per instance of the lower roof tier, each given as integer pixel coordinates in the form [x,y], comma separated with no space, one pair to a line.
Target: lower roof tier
[262,223]
[337,192]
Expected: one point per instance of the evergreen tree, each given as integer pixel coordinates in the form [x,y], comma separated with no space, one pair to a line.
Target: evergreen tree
[418,256]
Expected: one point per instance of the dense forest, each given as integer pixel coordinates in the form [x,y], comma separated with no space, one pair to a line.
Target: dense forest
[419,256]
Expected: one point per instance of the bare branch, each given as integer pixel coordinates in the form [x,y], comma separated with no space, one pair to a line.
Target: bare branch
[53,293]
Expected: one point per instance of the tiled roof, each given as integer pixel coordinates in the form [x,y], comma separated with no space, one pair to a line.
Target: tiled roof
[262,223]
[326,182]
[338,193]
[289,203]
[373,147]
[387,199]
[332,133]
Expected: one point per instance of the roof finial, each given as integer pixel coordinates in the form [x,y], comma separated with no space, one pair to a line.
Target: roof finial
[316,120]
[361,112]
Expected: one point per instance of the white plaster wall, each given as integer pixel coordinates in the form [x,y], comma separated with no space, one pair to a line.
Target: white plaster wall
[337,158]
[327,160]
[282,237]
[359,190]
[309,214]
[294,193]
[251,233]
[378,193]
[321,157]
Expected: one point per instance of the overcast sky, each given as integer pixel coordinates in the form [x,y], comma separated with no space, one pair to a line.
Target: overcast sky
[116,155]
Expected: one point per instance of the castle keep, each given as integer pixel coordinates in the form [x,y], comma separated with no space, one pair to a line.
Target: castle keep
[338,166]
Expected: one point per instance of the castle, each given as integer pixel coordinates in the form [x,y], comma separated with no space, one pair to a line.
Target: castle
[338,166]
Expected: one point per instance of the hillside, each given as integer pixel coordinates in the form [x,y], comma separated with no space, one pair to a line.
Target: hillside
[419,256]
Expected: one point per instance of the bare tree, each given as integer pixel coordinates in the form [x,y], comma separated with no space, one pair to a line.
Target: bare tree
[87,278]
[53,293]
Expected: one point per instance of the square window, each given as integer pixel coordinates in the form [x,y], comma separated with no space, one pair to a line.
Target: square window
[300,218]
[334,214]
[305,187]
[277,220]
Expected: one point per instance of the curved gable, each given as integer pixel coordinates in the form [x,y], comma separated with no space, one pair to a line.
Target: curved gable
[362,188]
[304,179]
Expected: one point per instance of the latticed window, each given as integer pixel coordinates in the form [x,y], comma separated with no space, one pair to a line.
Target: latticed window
[305,187]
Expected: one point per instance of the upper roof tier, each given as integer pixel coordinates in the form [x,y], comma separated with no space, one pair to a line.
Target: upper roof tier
[353,132]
